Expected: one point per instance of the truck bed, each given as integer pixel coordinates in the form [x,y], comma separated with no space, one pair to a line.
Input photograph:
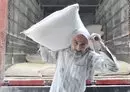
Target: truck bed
[46,81]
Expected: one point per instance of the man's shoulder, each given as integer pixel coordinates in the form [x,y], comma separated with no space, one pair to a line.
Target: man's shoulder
[93,53]
[64,50]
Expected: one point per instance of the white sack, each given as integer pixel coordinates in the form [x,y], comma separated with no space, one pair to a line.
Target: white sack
[55,31]
[34,58]
[95,29]
[31,69]
[124,68]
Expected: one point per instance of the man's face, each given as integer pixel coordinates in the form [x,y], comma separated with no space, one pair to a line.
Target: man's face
[79,43]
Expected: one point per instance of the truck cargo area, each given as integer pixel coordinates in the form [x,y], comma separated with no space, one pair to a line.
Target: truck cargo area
[21,66]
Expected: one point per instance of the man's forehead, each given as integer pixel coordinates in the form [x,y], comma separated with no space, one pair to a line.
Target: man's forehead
[80,37]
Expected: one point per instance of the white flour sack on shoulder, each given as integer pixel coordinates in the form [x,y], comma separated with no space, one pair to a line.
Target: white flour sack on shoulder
[55,31]
[95,28]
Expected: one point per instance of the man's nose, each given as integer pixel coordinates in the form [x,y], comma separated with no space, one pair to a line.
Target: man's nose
[78,48]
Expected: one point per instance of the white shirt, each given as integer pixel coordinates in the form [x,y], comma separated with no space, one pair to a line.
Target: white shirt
[72,70]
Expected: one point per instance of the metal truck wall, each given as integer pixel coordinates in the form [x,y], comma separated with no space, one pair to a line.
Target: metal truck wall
[46,89]
[114,16]
[3,29]
[21,15]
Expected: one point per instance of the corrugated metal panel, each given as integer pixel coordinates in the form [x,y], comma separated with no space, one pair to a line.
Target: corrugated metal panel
[115,21]
[22,14]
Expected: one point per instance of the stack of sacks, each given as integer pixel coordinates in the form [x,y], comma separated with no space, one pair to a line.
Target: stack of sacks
[31,70]
[34,58]
[56,30]
[124,69]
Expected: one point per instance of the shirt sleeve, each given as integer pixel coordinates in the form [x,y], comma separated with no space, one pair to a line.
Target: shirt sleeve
[104,63]
[48,55]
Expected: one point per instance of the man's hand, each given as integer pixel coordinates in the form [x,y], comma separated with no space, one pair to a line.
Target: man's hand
[97,38]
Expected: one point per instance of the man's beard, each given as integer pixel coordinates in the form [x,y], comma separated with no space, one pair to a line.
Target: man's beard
[78,53]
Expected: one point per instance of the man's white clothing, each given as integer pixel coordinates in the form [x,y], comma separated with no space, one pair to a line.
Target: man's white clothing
[73,70]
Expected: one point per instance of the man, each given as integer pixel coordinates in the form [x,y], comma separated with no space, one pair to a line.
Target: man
[76,64]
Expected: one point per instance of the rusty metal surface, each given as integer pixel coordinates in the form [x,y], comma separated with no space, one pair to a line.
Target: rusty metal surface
[3,29]
[46,81]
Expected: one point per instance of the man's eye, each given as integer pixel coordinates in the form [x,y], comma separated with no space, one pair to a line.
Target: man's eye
[76,43]
[82,44]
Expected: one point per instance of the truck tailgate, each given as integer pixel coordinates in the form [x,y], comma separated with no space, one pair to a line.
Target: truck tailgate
[46,81]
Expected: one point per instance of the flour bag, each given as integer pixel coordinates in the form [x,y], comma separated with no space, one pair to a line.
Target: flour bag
[55,31]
